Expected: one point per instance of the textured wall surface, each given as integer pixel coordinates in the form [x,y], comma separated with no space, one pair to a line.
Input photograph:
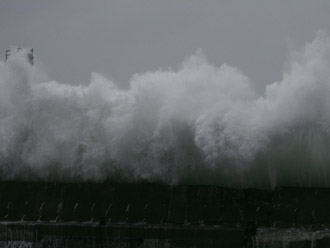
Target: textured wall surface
[151,215]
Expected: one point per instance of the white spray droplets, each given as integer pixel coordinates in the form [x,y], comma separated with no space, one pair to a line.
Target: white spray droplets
[198,124]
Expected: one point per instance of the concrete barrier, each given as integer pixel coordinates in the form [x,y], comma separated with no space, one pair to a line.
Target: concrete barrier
[140,213]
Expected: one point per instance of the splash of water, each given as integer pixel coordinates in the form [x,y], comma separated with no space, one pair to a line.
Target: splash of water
[198,124]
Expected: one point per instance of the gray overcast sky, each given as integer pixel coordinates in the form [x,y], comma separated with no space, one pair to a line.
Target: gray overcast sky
[121,37]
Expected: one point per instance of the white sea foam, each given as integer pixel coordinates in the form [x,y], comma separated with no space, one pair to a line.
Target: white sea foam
[198,124]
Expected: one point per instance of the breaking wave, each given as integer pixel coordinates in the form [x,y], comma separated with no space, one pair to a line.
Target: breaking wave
[199,124]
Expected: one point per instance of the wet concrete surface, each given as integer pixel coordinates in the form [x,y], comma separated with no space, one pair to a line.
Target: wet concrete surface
[155,215]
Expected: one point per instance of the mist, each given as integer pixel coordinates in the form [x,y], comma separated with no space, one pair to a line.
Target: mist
[196,124]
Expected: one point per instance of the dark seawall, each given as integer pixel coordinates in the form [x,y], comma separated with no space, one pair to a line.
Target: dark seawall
[153,215]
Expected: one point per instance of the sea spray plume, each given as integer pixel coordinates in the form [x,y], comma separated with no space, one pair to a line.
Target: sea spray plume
[297,118]
[99,132]
[199,124]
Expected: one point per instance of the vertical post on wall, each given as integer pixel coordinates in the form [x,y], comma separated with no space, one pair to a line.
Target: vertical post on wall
[7,54]
[31,57]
